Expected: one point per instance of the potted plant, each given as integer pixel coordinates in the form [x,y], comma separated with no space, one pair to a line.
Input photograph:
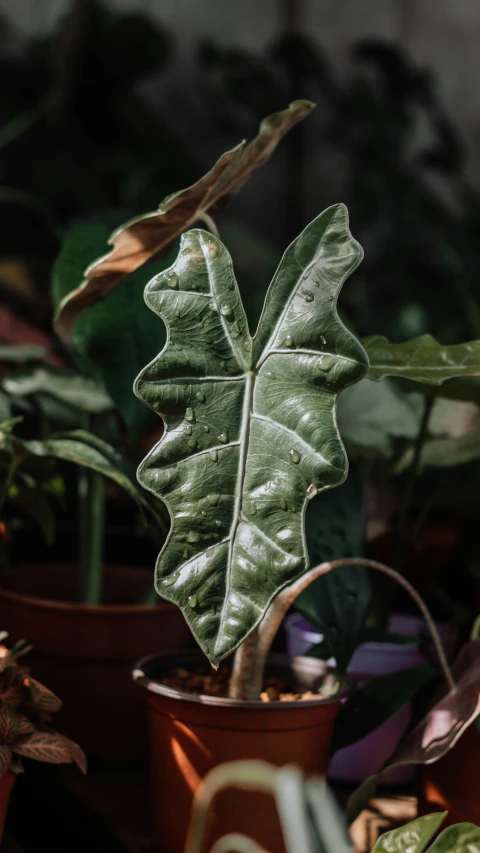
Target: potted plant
[113,619]
[250,437]
[26,707]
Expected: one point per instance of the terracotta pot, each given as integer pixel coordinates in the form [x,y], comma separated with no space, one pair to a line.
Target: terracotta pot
[86,653]
[452,782]
[191,734]
[6,784]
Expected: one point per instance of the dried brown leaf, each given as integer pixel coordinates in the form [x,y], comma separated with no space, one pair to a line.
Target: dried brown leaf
[152,234]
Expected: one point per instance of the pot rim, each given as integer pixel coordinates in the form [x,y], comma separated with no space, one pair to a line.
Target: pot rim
[41,603]
[140,677]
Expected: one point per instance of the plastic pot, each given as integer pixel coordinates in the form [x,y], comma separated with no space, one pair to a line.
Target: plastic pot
[6,784]
[367,756]
[452,782]
[191,734]
[86,653]
[301,635]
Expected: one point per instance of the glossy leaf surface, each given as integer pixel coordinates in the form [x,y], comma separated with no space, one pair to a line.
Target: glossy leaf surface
[153,233]
[411,838]
[450,371]
[250,431]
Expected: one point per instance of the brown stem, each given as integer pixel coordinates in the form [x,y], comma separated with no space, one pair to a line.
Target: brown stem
[209,221]
[247,672]
[249,665]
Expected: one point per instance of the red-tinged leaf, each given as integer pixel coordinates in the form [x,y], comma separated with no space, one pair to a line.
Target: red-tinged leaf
[43,698]
[14,727]
[153,233]
[14,689]
[6,759]
[51,748]
[439,730]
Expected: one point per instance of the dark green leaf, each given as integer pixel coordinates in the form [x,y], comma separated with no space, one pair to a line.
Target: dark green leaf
[376,702]
[75,449]
[337,602]
[73,389]
[446,371]
[250,431]
[114,338]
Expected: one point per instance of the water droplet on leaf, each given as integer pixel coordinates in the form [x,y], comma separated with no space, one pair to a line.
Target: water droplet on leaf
[309,297]
[206,428]
[189,415]
[270,374]
[172,280]
[214,455]
[226,310]
[223,437]
[288,341]
[200,396]
[187,429]
[213,499]
[192,601]
[192,442]
[170,580]
[295,456]
[251,508]
[193,536]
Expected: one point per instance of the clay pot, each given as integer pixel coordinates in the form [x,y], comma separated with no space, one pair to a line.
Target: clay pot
[85,653]
[6,784]
[452,782]
[191,734]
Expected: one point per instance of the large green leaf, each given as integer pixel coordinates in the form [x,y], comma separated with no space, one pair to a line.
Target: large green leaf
[250,430]
[89,452]
[445,371]
[114,338]
[336,603]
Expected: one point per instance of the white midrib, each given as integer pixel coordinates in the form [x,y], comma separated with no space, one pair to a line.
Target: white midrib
[244,440]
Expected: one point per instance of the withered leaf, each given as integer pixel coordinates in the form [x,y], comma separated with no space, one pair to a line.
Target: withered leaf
[152,234]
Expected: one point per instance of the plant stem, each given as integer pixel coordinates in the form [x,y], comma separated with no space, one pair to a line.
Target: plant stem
[203,216]
[248,672]
[399,552]
[92,530]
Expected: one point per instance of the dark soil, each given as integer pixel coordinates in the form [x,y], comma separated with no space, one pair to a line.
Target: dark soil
[208,682]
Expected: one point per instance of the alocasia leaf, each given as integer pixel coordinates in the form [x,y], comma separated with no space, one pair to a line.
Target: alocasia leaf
[250,431]
[447,371]
[153,233]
